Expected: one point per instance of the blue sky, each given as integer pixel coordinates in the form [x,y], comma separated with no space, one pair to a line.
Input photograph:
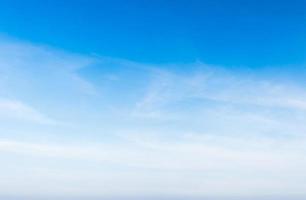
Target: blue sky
[232,33]
[180,99]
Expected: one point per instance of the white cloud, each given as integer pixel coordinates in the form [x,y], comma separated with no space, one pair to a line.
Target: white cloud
[25,65]
[212,83]
[209,131]
[34,76]
[15,110]
[204,153]
[191,166]
[222,102]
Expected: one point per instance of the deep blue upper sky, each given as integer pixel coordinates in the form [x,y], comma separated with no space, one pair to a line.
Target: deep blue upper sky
[232,33]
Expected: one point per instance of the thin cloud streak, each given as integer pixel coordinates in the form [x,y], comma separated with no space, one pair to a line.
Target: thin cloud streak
[15,110]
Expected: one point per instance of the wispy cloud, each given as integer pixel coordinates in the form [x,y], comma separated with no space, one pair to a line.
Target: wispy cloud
[217,100]
[39,76]
[28,64]
[221,85]
[218,160]
[15,110]
[185,129]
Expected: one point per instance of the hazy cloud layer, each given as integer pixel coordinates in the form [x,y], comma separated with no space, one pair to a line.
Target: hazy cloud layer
[73,124]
